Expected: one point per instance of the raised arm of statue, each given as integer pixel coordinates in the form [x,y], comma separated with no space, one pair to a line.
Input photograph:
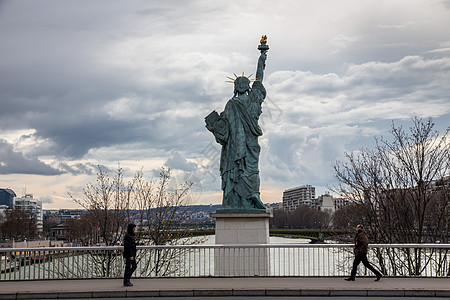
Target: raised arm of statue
[261,66]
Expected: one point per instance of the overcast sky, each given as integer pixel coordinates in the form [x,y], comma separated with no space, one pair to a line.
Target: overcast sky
[87,83]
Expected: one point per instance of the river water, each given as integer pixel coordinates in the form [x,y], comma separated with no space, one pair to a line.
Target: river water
[304,261]
[209,240]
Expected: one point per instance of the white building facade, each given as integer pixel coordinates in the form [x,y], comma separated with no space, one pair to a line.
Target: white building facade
[326,203]
[32,205]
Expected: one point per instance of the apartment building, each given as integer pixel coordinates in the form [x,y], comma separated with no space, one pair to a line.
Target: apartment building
[301,195]
[32,205]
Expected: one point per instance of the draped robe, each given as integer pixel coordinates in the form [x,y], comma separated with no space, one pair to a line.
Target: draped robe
[237,130]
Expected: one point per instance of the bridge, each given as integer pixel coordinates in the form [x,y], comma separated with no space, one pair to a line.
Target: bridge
[238,288]
[315,235]
[295,270]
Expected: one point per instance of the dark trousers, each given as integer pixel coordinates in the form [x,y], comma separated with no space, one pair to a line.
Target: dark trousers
[362,258]
[130,267]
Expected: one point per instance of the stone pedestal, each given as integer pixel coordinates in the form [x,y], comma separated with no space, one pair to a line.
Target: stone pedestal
[233,229]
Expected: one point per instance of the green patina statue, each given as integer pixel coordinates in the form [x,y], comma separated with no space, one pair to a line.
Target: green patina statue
[237,130]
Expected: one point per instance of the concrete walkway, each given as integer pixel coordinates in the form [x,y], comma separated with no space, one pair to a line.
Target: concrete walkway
[226,287]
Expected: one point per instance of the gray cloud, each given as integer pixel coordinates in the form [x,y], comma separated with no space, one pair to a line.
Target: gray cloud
[78,168]
[12,162]
[179,162]
[446,3]
[46,200]
[366,92]
[16,162]
[103,82]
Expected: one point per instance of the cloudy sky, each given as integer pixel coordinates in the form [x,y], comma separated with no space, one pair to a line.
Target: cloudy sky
[87,83]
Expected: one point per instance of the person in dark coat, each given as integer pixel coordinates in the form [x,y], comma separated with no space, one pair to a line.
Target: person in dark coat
[129,253]
[360,251]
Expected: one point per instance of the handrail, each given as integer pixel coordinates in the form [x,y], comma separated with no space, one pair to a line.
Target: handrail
[326,260]
[103,248]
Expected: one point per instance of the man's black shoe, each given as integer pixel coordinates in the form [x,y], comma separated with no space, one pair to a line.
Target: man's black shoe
[350,279]
[127,284]
[378,277]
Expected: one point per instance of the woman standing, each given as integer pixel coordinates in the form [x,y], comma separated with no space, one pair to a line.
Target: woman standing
[129,253]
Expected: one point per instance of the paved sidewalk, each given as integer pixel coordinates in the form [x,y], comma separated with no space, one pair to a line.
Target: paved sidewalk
[191,287]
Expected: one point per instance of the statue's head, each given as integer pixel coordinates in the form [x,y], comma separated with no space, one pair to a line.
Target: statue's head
[241,84]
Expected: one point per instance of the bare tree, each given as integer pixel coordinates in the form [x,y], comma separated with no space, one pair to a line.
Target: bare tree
[85,229]
[166,219]
[393,187]
[302,217]
[49,223]
[159,212]
[347,216]
[108,200]
[108,203]
[18,224]
[307,217]
[280,218]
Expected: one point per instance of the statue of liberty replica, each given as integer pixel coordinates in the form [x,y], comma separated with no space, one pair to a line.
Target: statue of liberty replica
[236,129]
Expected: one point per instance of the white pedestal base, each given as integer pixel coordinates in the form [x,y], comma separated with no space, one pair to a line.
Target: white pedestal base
[234,229]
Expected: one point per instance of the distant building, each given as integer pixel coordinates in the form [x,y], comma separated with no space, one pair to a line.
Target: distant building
[440,184]
[32,205]
[33,244]
[331,204]
[326,203]
[340,203]
[64,214]
[2,209]
[271,207]
[301,195]
[7,197]
[58,233]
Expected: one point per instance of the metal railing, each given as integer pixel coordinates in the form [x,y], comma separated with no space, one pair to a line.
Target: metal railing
[327,260]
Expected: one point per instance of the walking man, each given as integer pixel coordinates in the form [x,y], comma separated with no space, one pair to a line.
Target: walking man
[360,251]
[129,253]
